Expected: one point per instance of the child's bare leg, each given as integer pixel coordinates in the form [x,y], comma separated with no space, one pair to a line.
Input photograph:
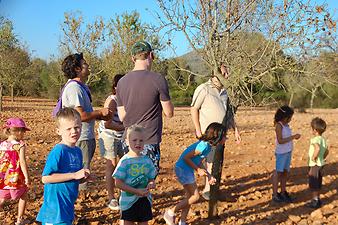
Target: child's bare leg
[284,177]
[110,166]
[315,194]
[207,185]
[194,196]
[22,206]
[275,181]
[125,222]
[185,211]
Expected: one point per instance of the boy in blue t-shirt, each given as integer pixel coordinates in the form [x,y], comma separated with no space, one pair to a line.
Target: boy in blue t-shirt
[134,175]
[63,172]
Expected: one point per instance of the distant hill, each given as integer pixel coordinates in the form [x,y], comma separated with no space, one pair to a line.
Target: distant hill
[195,63]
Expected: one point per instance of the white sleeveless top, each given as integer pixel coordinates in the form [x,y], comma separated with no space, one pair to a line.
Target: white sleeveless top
[287,147]
[110,132]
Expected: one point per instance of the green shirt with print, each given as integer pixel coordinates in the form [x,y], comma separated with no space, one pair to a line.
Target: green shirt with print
[322,149]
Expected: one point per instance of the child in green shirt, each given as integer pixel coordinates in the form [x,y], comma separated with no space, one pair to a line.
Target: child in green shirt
[318,151]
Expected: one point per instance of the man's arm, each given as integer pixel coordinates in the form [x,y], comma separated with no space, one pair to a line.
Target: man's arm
[96,114]
[122,112]
[168,108]
[196,120]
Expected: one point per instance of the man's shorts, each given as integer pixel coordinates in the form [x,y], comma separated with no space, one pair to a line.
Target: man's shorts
[184,177]
[140,211]
[283,162]
[13,194]
[315,177]
[88,150]
[110,147]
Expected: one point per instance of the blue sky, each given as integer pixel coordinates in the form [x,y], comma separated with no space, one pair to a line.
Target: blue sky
[37,22]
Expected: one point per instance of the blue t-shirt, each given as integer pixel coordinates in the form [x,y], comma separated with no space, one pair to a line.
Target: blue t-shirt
[135,172]
[59,198]
[200,146]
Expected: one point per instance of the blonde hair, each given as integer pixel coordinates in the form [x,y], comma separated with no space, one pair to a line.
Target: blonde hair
[134,128]
[67,113]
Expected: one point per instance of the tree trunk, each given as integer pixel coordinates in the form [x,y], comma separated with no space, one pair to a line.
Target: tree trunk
[291,98]
[313,92]
[1,89]
[12,94]
[216,172]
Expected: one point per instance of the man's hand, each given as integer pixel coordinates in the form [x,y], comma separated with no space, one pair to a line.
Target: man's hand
[211,180]
[198,133]
[238,138]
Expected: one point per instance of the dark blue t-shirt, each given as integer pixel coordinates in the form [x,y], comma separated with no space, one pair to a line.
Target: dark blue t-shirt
[59,198]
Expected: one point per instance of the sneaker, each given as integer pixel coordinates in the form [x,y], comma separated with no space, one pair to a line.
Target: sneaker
[315,203]
[286,197]
[277,198]
[113,204]
[206,195]
[169,219]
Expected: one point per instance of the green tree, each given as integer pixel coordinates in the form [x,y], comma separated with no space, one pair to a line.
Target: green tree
[253,38]
[13,59]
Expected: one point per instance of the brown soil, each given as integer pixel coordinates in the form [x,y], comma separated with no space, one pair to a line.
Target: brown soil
[245,192]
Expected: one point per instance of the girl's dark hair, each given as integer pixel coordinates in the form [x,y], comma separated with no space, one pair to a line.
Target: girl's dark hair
[116,79]
[282,113]
[70,63]
[214,133]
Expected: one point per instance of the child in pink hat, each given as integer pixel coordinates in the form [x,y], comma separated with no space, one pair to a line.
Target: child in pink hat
[14,179]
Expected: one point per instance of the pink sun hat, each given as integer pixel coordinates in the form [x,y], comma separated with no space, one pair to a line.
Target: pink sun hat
[16,122]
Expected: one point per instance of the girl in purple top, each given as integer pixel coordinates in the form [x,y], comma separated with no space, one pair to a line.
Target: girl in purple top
[190,161]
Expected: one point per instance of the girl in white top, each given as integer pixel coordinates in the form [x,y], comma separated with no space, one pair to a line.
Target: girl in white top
[284,147]
[110,144]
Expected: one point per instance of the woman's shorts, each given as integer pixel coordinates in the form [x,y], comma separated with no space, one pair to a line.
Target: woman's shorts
[184,177]
[315,177]
[283,162]
[13,194]
[140,211]
[110,148]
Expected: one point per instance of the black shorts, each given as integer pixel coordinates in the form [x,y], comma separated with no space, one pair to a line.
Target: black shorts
[315,177]
[140,211]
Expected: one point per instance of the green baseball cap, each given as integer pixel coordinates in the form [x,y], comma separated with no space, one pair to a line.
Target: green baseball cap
[141,46]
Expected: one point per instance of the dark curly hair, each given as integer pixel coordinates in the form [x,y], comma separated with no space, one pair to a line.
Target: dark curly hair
[214,133]
[70,63]
[116,79]
[283,113]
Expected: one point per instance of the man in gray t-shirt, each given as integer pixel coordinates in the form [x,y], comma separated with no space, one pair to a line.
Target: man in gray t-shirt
[142,95]
[76,94]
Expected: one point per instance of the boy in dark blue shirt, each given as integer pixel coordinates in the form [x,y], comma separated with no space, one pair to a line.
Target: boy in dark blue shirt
[63,172]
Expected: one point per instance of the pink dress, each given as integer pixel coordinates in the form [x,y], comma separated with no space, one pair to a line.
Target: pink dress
[11,176]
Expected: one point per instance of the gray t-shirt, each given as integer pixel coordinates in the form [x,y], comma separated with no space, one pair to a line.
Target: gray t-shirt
[141,93]
[73,96]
